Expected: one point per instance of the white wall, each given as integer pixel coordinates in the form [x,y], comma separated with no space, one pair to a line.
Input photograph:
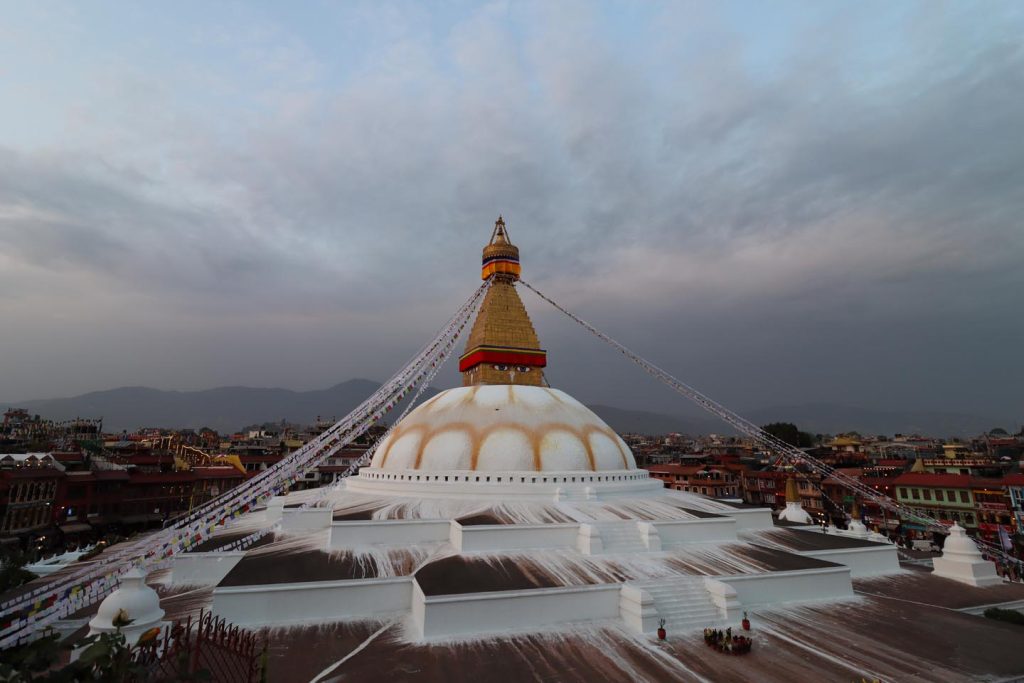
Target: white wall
[310,519]
[479,613]
[388,532]
[278,604]
[203,569]
[696,530]
[777,587]
[861,561]
[749,518]
[512,536]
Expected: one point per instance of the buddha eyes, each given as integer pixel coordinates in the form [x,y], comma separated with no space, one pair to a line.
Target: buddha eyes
[518,368]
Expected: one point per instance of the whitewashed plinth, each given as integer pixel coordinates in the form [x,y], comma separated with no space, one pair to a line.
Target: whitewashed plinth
[962,561]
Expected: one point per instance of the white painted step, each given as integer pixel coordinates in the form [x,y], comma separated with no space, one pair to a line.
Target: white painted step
[684,603]
[621,537]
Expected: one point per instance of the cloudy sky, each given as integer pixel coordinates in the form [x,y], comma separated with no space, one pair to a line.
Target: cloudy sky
[780,203]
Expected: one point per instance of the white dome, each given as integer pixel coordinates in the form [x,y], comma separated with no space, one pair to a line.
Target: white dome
[794,512]
[503,428]
[140,603]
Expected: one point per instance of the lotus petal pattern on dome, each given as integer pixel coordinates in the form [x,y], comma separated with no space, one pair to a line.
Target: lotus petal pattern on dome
[503,428]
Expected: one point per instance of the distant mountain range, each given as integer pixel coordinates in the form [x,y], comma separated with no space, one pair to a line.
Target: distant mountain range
[228,409]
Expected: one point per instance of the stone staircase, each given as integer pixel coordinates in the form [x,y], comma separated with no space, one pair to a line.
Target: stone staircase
[684,603]
[620,537]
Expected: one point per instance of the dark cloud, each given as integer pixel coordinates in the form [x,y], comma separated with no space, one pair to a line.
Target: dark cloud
[837,222]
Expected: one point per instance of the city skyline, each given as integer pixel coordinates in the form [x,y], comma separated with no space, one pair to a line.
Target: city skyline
[780,206]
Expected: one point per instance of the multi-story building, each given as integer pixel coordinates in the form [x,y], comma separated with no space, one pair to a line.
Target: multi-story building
[708,481]
[1014,485]
[992,507]
[28,490]
[946,497]
[768,487]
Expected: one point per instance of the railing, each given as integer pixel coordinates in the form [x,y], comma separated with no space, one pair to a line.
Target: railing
[207,643]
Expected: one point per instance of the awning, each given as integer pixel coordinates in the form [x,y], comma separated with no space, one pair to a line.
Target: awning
[75,527]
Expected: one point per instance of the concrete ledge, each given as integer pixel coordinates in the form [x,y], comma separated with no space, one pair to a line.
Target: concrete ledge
[637,610]
[862,562]
[588,539]
[696,530]
[308,519]
[275,506]
[290,603]
[480,613]
[979,573]
[388,532]
[512,536]
[725,598]
[749,518]
[203,569]
[772,588]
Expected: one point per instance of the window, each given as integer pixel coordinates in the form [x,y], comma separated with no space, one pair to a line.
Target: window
[916,494]
[927,494]
[938,495]
[968,518]
[963,496]
[903,493]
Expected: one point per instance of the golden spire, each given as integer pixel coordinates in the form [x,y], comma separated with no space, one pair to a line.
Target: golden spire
[502,347]
[501,257]
[918,466]
[792,496]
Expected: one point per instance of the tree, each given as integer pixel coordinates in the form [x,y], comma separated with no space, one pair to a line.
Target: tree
[788,432]
[105,658]
[998,431]
[13,572]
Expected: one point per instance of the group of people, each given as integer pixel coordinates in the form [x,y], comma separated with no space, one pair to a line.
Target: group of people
[725,641]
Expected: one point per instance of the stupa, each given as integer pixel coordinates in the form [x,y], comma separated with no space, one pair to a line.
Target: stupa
[503,521]
[504,432]
[794,511]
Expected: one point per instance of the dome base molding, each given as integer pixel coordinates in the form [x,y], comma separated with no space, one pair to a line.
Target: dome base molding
[568,485]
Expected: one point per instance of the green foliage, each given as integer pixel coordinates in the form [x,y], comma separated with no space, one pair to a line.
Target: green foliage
[13,572]
[788,432]
[998,431]
[105,658]
[25,662]
[1008,615]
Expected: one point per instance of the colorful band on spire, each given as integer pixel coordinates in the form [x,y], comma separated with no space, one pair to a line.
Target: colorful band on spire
[500,264]
[503,355]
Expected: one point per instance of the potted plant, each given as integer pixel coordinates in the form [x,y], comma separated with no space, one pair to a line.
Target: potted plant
[661,629]
[746,622]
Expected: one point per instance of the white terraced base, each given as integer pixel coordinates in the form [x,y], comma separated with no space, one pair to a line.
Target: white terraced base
[684,603]
[621,537]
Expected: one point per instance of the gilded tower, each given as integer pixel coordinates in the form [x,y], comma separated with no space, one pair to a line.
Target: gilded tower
[502,347]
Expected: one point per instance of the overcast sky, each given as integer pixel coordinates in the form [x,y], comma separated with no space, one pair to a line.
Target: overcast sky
[779,203]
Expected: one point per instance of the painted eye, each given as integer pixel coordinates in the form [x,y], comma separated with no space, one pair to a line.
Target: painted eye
[501,368]
[522,368]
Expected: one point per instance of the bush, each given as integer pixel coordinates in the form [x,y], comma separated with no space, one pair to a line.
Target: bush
[13,572]
[1010,615]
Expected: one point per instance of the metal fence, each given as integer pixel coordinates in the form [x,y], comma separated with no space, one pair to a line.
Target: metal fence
[206,643]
